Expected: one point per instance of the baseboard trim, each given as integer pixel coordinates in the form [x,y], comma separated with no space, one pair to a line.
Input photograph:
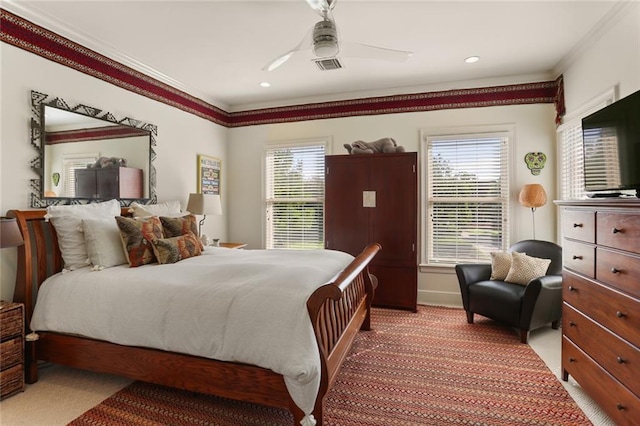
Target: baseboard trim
[439,298]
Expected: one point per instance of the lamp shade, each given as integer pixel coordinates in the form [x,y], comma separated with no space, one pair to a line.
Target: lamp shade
[10,235]
[533,195]
[204,204]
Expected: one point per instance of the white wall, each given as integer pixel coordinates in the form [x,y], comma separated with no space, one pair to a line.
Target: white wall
[603,62]
[181,136]
[534,131]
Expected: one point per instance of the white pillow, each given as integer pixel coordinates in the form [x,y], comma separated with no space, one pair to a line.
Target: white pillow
[168,209]
[106,208]
[71,241]
[500,264]
[526,268]
[102,237]
[67,220]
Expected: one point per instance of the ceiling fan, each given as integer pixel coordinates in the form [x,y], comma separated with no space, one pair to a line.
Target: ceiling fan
[322,40]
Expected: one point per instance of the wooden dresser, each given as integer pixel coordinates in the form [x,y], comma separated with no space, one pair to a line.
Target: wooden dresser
[11,348]
[601,309]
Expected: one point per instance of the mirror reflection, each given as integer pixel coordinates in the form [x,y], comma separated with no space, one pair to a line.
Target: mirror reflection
[86,154]
[85,157]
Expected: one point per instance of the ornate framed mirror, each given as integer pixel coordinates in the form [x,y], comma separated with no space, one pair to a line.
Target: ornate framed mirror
[88,155]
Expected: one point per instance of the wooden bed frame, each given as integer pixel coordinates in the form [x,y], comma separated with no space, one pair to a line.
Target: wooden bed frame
[337,311]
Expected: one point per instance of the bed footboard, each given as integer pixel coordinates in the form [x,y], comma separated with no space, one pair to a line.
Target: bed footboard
[337,311]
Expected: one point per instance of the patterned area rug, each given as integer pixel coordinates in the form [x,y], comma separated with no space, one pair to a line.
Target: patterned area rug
[429,368]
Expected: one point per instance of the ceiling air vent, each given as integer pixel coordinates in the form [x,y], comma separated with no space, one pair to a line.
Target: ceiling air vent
[328,64]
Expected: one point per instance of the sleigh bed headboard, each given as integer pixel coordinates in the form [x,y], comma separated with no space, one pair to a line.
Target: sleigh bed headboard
[38,258]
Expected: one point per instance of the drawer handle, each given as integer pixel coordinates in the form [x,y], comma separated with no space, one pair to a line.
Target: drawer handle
[615,270]
[620,407]
[616,230]
[620,360]
[571,288]
[571,359]
[577,225]
[620,314]
[572,324]
[577,257]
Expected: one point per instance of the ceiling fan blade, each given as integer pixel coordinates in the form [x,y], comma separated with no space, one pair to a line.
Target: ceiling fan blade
[305,44]
[275,63]
[358,50]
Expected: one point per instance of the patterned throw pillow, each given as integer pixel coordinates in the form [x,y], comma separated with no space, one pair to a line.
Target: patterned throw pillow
[176,226]
[526,268]
[171,250]
[500,264]
[136,235]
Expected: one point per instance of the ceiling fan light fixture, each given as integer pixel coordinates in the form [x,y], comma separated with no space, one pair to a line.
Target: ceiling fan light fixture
[325,49]
[325,39]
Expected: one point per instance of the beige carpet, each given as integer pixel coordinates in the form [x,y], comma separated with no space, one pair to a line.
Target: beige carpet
[64,394]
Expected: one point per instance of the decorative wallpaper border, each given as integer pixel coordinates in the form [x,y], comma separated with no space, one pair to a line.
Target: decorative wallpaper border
[26,35]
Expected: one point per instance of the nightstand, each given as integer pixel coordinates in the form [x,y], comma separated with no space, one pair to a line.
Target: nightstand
[233,245]
[11,348]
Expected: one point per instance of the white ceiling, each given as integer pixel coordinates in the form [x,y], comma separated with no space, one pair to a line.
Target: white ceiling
[215,50]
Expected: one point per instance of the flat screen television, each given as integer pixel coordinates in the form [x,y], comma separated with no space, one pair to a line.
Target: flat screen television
[611,138]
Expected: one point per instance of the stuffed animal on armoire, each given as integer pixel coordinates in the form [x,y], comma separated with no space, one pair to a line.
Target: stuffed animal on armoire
[384,145]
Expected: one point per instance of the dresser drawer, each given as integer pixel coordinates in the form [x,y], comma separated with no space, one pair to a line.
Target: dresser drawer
[579,225]
[619,230]
[11,380]
[11,323]
[620,358]
[579,257]
[614,310]
[10,352]
[619,270]
[615,399]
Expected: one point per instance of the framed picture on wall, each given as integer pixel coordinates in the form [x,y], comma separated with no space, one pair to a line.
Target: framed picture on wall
[209,174]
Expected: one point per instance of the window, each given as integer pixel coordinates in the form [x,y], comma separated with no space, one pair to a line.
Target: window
[70,163]
[466,211]
[294,195]
[571,149]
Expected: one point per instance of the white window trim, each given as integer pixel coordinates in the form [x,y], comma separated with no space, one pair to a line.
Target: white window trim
[326,140]
[423,152]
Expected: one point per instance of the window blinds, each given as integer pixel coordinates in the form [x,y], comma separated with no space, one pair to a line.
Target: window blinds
[295,196]
[468,197]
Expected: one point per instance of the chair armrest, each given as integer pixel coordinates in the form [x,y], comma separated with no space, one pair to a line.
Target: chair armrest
[551,282]
[469,273]
[542,301]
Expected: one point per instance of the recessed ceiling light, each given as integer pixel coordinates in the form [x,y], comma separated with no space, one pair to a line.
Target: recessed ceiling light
[265,84]
[472,59]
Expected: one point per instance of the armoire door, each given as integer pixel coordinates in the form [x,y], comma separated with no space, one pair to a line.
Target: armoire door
[393,223]
[346,221]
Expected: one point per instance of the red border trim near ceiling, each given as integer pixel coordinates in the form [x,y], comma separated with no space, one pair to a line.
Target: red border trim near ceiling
[94,133]
[26,35]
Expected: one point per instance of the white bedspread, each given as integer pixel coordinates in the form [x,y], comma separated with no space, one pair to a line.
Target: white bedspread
[233,305]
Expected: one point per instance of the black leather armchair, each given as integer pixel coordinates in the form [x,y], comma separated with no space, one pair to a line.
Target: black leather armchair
[524,307]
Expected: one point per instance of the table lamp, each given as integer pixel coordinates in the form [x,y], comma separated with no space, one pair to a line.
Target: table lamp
[204,204]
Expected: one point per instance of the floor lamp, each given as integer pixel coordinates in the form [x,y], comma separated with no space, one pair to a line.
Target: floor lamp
[532,195]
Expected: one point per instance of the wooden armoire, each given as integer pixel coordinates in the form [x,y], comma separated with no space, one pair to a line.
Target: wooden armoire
[374,198]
